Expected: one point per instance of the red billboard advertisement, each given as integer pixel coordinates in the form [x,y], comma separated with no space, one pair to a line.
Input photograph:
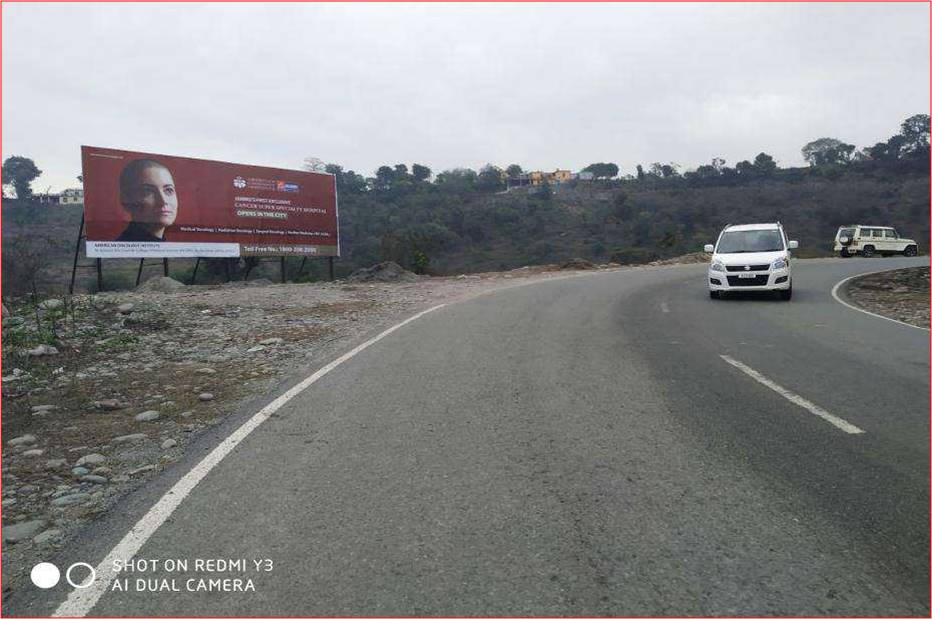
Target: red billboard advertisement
[141,205]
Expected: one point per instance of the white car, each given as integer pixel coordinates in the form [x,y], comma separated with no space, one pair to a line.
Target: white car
[871,240]
[751,257]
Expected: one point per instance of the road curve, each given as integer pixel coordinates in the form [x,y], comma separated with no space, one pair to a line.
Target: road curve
[575,447]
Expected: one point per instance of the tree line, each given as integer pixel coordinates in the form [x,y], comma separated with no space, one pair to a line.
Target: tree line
[908,148]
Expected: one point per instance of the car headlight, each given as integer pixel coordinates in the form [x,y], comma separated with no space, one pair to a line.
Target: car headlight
[779,263]
[717,266]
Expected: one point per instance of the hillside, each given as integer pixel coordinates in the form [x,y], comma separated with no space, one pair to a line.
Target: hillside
[618,221]
[437,229]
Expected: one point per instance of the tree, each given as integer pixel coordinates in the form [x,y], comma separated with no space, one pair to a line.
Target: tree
[745,169]
[20,172]
[641,174]
[915,130]
[514,171]
[886,151]
[314,164]
[602,170]
[490,179]
[458,180]
[420,172]
[764,164]
[353,182]
[827,151]
[664,170]
[384,177]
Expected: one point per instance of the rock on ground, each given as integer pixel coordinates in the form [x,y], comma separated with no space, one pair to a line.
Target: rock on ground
[24,530]
[71,499]
[47,536]
[42,350]
[25,439]
[383,272]
[94,458]
[160,284]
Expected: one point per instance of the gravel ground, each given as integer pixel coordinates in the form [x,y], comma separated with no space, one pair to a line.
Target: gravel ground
[102,392]
[902,294]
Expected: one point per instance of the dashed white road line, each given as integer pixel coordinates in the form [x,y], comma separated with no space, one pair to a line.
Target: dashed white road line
[838,298]
[81,601]
[798,400]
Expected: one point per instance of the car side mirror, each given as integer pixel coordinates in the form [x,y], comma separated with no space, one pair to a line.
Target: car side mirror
[793,244]
[708,249]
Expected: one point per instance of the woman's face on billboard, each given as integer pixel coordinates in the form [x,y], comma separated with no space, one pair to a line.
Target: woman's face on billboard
[153,199]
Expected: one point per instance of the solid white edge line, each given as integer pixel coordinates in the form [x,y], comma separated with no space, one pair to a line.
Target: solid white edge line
[81,601]
[838,286]
[798,400]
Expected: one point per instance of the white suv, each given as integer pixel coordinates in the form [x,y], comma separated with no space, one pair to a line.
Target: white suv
[870,240]
[751,257]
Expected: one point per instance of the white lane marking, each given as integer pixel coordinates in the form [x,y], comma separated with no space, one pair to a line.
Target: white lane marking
[838,286]
[798,400]
[664,308]
[81,601]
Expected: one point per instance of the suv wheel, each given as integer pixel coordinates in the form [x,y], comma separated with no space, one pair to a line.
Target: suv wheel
[713,294]
[868,251]
[910,251]
[787,294]
[845,253]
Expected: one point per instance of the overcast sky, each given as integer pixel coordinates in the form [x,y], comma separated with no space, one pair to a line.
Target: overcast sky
[541,85]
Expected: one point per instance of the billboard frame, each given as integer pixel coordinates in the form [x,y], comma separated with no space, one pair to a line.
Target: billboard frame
[98,261]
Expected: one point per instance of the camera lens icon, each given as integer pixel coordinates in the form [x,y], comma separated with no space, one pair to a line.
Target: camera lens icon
[88,580]
[47,575]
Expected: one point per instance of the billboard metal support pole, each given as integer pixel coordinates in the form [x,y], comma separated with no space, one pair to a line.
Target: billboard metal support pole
[77,250]
[139,272]
[194,274]
[165,266]
[330,266]
[100,275]
[283,269]
[303,262]
[226,265]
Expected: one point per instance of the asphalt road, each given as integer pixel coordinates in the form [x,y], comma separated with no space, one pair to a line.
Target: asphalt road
[575,447]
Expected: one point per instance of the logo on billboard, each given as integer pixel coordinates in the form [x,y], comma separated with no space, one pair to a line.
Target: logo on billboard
[239,182]
[285,186]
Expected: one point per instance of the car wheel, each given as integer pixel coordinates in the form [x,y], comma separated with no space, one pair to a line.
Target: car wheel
[845,253]
[787,294]
[713,294]
[910,251]
[868,251]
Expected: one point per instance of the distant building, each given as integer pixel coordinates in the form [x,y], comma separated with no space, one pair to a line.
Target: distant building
[538,178]
[72,196]
[562,176]
[68,196]
[520,180]
[52,199]
[585,176]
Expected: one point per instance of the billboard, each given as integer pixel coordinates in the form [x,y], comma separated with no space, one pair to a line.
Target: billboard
[144,205]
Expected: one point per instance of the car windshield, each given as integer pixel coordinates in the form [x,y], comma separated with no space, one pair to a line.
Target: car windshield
[747,241]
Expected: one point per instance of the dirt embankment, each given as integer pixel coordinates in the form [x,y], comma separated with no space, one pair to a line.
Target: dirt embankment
[902,294]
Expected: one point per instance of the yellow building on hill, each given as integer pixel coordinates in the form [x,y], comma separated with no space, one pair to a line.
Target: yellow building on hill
[551,178]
